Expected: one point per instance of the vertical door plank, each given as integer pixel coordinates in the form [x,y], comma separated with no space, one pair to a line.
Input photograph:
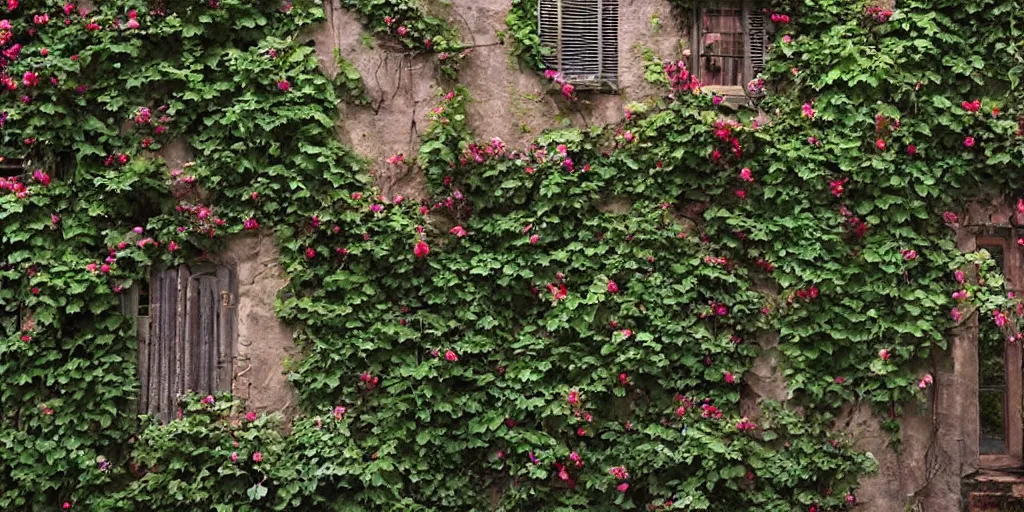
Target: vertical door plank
[1014,365]
[143,340]
[225,329]
[190,343]
[155,345]
[169,307]
[178,377]
[130,309]
[142,344]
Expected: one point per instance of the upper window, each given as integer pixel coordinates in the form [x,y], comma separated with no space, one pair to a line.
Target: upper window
[582,38]
[1001,434]
[728,43]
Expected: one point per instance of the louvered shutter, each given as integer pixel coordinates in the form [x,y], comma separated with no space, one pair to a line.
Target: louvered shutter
[190,343]
[757,40]
[583,36]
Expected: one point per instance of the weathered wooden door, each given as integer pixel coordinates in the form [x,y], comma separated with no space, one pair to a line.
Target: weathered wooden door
[187,341]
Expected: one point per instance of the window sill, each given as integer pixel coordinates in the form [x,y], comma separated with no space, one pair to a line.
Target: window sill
[726,90]
[993,465]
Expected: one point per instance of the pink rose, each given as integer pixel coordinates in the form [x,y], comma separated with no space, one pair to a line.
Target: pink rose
[421,250]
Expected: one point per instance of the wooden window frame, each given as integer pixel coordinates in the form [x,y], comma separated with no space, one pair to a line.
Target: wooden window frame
[1013,417]
[748,10]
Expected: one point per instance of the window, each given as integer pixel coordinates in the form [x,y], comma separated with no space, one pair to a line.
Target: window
[10,321]
[1001,433]
[728,44]
[582,37]
[186,327]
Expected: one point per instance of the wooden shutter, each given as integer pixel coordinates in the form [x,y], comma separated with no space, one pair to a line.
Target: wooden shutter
[191,337]
[756,39]
[12,166]
[583,36]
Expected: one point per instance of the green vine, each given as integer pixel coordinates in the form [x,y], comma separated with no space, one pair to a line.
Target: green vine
[521,23]
[348,83]
[564,326]
[408,22]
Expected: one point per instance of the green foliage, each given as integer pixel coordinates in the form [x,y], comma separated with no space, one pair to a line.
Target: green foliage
[590,302]
[348,83]
[654,68]
[522,32]
[408,22]
[203,461]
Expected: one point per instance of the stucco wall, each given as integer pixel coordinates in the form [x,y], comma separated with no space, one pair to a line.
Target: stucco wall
[507,102]
[936,468]
[264,344]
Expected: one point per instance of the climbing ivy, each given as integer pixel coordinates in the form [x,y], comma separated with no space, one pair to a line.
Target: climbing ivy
[565,326]
[523,34]
[408,22]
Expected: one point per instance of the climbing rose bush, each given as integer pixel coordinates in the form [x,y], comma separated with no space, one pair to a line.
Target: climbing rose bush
[570,324]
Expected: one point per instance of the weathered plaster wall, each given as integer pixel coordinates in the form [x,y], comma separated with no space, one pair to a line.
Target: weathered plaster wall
[264,343]
[936,450]
[507,102]
[516,105]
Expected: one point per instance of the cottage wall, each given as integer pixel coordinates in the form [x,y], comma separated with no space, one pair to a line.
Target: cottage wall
[935,457]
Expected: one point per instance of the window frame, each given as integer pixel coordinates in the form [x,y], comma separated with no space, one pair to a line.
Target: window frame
[747,8]
[1013,416]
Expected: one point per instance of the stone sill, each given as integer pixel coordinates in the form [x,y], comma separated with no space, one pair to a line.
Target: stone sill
[991,490]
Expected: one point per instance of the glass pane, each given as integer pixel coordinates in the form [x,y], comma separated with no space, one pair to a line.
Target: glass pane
[992,378]
[143,309]
[991,406]
[997,254]
[722,47]
[991,351]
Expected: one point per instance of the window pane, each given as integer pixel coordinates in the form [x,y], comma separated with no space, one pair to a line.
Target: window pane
[997,254]
[722,47]
[991,351]
[991,407]
[992,378]
[143,307]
